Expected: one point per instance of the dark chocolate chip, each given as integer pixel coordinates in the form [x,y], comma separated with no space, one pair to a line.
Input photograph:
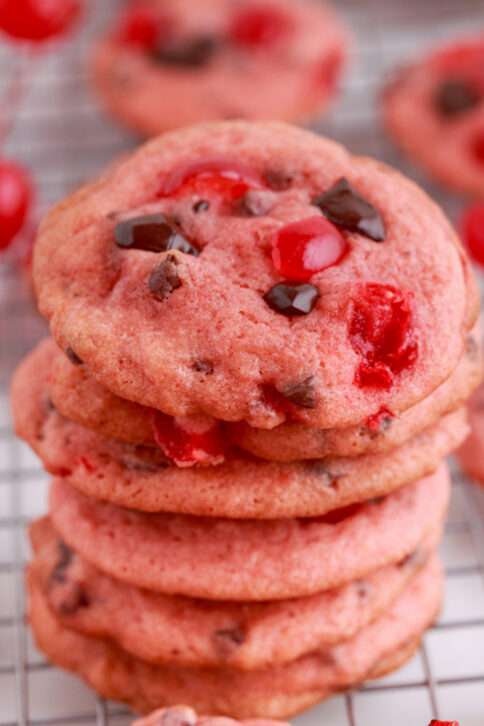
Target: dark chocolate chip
[362,588]
[65,556]
[151,233]
[73,357]
[289,299]
[472,348]
[346,208]
[415,559]
[189,53]
[201,206]
[455,96]
[203,366]
[301,394]
[73,599]
[319,468]
[227,640]
[179,243]
[164,278]
[280,181]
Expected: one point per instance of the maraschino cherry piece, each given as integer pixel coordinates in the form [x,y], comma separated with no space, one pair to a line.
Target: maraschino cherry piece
[217,177]
[37,20]
[381,331]
[189,440]
[436,722]
[259,26]
[379,421]
[477,147]
[473,231]
[141,27]
[15,199]
[303,248]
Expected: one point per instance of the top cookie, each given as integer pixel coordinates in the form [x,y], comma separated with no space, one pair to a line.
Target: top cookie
[256,272]
[435,111]
[170,64]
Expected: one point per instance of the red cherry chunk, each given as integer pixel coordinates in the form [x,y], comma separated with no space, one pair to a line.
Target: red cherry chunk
[436,722]
[15,200]
[189,440]
[473,231]
[260,25]
[381,331]
[216,177]
[38,20]
[379,421]
[141,27]
[302,248]
[477,147]
[339,515]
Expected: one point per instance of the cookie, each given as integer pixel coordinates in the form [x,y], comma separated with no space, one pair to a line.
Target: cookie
[434,109]
[222,559]
[145,283]
[166,65]
[78,397]
[186,716]
[471,453]
[167,629]
[243,487]
[273,693]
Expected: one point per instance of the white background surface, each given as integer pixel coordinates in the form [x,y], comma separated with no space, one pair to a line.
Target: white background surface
[61,134]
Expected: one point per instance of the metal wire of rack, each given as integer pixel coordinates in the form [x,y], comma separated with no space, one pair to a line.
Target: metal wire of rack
[61,134]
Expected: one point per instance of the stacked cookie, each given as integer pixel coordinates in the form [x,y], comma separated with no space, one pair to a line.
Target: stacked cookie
[262,350]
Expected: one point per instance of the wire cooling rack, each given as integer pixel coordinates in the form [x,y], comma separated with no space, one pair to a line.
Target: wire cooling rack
[60,133]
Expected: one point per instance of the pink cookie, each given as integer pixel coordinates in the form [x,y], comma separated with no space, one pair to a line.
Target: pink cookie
[222,559]
[273,693]
[167,629]
[378,318]
[434,109]
[243,487]
[471,453]
[171,64]
[78,397]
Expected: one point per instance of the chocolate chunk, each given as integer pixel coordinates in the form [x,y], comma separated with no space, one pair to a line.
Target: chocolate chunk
[291,300]
[362,588]
[203,366]
[301,394]
[189,53]
[164,278]
[227,640]
[201,206]
[151,233]
[73,357]
[343,206]
[179,243]
[415,559]
[72,599]
[455,96]
[65,557]
[320,469]
[472,348]
[279,181]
